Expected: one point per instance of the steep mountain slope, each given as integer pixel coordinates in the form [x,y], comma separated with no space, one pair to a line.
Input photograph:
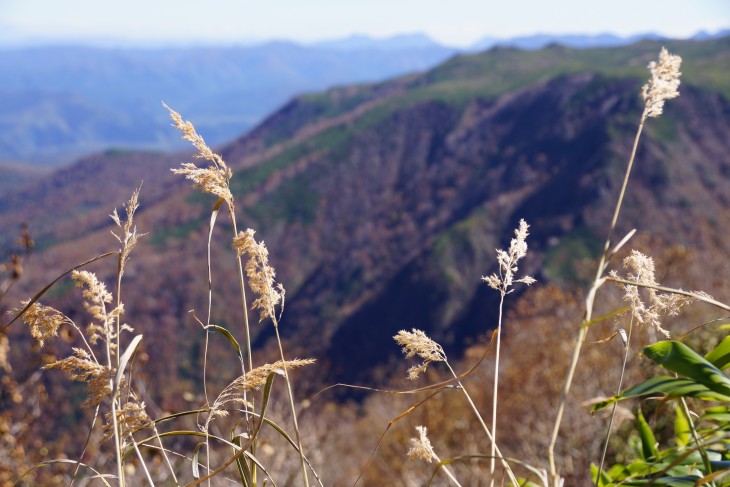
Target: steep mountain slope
[382,204]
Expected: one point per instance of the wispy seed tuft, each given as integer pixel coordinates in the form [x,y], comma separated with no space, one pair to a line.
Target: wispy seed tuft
[421,448]
[214,179]
[648,311]
[663,84]
[416,342]
[254,379]
[44,321]
[507,261]
[83,368]
[260,275]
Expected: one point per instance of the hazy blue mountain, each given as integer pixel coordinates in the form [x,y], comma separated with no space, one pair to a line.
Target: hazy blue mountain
[359,41]
[60,103]
[57,103]
[579,41]
[704,35]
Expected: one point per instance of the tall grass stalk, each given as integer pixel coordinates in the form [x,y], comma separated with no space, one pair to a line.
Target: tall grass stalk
[305,476]
[128,239]
[625,340]
[216,180]
[495,392]
[270,295]
[502,282]
[662,86]
[490,436]
[416,342]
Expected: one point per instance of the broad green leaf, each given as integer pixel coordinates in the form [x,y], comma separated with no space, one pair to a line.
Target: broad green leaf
[720,414]
[605,478]
[683,481]
[679,358]
[670,386]
[720,355]
[648,441]
[682,429]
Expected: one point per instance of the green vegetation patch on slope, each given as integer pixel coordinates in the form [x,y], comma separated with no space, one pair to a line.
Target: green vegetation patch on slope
[562,260]
[293,202]
[248,180]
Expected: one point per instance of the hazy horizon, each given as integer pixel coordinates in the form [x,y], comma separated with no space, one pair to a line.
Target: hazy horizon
[164,23]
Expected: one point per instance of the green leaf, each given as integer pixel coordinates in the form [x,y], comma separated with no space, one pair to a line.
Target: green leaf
[648,441]
[670,386]
[230,338]
[683,481]
[682,429]
[720,355]
[605,478]
[679,358]
[721,414]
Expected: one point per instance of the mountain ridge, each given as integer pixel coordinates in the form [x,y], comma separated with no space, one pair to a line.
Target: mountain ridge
[382,204]
[63,102]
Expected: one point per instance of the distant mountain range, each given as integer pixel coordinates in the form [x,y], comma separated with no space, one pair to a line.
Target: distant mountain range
[382,204]
[58,103]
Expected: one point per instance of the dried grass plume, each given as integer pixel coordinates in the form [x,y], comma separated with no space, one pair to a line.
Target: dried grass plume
[83,368]
[416,342]
[44,321]
[649,309]
[214,179]
[663,84]
[421,448]
[254,379]
[260,275]
[507,261]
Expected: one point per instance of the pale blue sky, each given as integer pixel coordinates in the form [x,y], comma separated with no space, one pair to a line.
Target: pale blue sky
[455,22]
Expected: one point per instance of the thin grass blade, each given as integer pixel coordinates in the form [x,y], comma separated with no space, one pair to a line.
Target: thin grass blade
[124,359]
[48,286]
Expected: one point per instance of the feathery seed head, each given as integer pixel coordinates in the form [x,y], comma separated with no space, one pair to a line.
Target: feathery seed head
[214,179]
[83,368]
[252,380]
[96,298]
[416,342]
[44,321]
[128,236]
[664,83]
[260,275]
[421,448]
[641,270]
[131,418]
[507,261]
